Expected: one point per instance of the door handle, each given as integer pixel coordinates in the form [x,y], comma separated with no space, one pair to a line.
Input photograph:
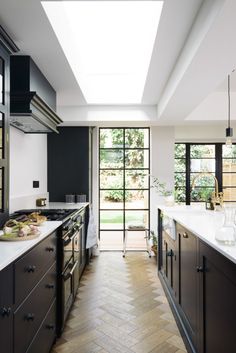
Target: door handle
[5,311]
[31,268]
[29,317]
[200,269]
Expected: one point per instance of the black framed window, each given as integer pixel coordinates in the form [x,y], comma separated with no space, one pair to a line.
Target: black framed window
[124,186]
[194,159]
[229,172]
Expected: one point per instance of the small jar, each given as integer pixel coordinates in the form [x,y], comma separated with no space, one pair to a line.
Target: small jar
[70,198]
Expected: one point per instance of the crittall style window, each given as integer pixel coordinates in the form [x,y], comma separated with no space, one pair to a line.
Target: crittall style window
[124,168]
[193,161]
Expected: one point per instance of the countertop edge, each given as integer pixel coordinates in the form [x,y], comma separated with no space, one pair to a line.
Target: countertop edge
[14,250]
[222,249]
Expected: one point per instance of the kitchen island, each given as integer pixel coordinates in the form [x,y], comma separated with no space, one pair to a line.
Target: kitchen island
[199,276]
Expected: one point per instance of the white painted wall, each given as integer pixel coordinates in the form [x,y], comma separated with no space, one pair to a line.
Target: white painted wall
[28,162]
[203,133]
[162,165]
[107,115]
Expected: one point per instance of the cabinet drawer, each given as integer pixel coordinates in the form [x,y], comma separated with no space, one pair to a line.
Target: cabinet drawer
[45,337]
[30,314]
[31,267]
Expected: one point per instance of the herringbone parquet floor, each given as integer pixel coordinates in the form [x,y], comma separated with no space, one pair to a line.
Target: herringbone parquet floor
[120,308]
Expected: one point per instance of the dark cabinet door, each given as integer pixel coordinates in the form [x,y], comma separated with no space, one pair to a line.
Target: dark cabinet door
[218,308]
[175,270]
[166,270]
[6,310]
[188,280]
[170,263]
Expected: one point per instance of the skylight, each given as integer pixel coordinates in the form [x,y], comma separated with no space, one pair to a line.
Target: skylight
[108,45]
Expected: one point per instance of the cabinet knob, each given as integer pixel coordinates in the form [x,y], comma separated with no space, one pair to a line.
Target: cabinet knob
[50,249]
[169,253]
[5,311]
[29,317]
[50,285]
[31,268]
[200,269]
[185,235]
[50,327]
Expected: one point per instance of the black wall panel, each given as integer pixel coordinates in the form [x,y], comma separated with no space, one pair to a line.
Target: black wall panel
[68,162]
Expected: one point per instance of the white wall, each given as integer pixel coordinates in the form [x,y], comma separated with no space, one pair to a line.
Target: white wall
[28,162]
[108,115]
[162,165]
[202,133]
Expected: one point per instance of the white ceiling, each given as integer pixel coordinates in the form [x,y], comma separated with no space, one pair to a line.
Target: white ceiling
[194,51]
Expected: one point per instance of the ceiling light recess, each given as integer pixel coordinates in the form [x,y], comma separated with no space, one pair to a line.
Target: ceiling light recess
[108,45]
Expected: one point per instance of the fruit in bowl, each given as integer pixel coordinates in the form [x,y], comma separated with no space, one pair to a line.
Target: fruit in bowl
[14,229]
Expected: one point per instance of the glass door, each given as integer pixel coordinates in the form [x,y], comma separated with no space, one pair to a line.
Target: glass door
[124,168]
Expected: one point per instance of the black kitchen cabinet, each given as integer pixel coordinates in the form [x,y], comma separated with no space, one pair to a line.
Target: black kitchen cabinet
[171,263]
[69,163]
[6,308]
[7,47]
[27,300]
[217,302]
[188,298]
[205,308]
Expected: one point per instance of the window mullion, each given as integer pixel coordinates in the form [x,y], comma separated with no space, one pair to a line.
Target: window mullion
[218,156]
[188,168]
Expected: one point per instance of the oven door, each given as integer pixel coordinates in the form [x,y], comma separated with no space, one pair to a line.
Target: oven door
[77,247]
[68,286]
[68,248]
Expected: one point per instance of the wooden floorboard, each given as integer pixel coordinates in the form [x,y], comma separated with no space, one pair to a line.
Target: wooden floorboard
[120,308]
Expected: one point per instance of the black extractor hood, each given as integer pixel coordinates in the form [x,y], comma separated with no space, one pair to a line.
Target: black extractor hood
[32,98]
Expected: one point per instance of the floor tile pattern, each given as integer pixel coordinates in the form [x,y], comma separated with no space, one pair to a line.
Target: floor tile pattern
[120,308]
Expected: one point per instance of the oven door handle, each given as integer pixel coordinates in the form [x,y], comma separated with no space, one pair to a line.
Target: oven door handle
[67,242]
[66,277]
[80,226]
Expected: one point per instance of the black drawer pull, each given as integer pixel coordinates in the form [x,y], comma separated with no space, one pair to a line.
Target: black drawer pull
[50,327]
[5,311]
[29,317]
[200,269]
[49,248]
[50,285]
[30,268]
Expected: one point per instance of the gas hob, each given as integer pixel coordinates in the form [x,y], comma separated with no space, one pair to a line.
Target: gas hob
[51,214]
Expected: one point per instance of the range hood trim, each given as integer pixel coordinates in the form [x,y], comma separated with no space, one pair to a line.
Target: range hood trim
[30,104]
[7,42]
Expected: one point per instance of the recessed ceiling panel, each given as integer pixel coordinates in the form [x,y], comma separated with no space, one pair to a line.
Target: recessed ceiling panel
[108,45]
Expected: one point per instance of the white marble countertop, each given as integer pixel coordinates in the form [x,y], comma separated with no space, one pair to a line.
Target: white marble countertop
[64,205]
[203,224]
[10,251]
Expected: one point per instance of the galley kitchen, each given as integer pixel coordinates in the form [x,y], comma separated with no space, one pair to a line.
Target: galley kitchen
[117,176]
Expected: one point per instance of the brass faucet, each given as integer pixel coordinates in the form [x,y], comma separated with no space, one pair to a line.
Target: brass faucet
[217,197]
